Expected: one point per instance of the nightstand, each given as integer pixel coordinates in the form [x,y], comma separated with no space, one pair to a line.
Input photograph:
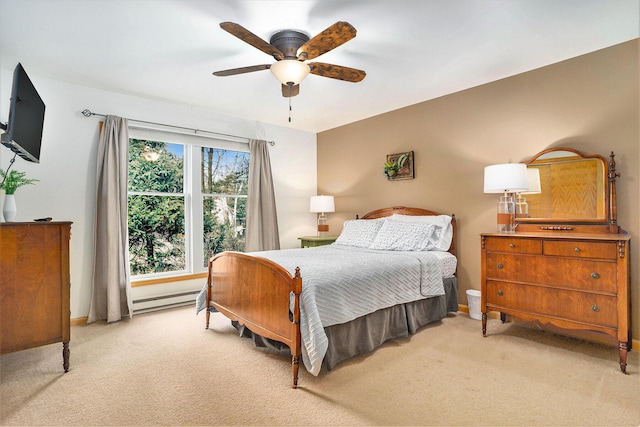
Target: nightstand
[311,241]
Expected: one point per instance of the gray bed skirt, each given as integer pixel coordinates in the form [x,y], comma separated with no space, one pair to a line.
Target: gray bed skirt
[366,333]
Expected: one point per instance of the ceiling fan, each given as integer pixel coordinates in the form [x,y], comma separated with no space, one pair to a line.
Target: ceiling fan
[291,49]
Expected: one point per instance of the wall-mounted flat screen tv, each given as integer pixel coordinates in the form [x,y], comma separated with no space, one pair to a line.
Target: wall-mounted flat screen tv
[26,118]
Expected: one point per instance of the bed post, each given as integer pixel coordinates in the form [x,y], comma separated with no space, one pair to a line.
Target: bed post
[296,347]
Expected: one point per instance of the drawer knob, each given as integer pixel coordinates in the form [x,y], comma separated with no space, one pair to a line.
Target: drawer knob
[577,250]
[500,266]
[511,245]
[595,275]
[595,308]
[500,293]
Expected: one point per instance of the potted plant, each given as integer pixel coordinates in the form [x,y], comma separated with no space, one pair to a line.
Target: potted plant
[391,169]
[11,181]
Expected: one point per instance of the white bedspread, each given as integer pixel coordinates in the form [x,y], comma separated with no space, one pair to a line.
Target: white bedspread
[341,283]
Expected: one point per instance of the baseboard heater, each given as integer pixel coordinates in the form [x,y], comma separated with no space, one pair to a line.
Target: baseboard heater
[164,302]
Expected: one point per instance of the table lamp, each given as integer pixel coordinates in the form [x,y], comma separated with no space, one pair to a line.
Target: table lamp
[322,204]
[507,178]
[533,179]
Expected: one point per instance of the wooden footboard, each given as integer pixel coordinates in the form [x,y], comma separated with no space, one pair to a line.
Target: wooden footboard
[259,294]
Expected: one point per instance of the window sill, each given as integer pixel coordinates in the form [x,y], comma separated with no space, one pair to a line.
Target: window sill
[161,280]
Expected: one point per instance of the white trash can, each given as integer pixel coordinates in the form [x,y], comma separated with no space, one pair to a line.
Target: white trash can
[473,299]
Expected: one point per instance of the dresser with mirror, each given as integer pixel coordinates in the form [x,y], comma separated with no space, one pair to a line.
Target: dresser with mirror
[566,267]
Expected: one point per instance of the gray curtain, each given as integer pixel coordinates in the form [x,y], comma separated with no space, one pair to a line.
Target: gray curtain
[111,293]
[262,221]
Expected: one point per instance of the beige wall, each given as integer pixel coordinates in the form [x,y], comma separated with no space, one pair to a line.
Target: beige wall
[589,103]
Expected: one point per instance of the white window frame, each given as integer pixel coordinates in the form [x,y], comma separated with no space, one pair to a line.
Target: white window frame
[192,191]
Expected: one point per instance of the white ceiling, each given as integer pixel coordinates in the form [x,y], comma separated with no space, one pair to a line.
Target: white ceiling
[412,50]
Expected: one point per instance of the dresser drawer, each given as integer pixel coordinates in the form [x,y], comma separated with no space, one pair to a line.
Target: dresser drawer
[514,245]
[581,249]
[576,306]
[593,276]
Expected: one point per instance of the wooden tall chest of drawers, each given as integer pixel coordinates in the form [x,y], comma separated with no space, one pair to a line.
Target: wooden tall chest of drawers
[571,283]
[34,286]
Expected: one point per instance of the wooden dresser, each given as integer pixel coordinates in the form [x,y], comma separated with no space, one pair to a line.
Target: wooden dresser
[577,284]
[566,269]
[34,286]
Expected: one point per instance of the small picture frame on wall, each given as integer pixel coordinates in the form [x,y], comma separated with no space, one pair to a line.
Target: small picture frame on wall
[399,166]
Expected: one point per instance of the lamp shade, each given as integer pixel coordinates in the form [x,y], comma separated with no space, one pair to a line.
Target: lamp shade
[322,204]
[290,71]
[533,178]
[507,177]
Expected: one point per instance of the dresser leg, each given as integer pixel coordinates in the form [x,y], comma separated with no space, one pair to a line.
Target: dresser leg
[484,324]
[65,356]
[623,357]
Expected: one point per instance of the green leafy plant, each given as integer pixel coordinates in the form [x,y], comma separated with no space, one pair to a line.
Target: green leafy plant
[13,180]
[391,169]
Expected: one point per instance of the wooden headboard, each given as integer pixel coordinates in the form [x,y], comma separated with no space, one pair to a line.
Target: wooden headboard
[403,210]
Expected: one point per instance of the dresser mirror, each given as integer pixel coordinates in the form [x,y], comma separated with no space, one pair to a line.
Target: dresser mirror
[573,189]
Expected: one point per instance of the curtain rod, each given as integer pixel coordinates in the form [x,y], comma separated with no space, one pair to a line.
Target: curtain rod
[88,113]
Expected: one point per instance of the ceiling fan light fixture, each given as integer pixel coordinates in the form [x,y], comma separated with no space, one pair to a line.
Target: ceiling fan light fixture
[290,71]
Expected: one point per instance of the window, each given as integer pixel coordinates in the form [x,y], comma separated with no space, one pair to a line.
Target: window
[179,213]
[156,211]
[224,182]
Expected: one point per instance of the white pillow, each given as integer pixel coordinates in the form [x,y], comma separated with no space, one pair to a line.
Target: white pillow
[443,234]
[404,236]
[359,232]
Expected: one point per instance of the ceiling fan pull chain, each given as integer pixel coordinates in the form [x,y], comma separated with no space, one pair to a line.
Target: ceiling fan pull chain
[290,86]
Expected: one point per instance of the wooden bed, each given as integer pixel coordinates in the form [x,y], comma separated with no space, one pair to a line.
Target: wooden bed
[264,297]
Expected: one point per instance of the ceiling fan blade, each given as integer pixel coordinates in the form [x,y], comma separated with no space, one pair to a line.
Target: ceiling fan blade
[337,34]
[242,70]
[337,72]
[289,91]
[248,37]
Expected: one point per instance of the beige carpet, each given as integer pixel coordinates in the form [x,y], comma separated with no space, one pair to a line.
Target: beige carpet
[164,368]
